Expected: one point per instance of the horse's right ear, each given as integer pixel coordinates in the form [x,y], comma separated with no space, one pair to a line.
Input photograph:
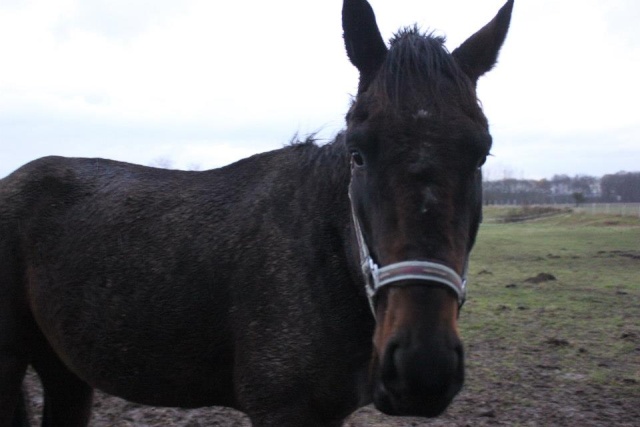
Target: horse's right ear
[365,47]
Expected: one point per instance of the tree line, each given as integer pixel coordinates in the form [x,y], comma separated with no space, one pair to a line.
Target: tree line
[622,187]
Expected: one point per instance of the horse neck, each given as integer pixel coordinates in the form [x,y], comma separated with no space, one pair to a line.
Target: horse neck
[327,176]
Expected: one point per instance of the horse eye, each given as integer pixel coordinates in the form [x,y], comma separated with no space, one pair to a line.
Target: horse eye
[357,158]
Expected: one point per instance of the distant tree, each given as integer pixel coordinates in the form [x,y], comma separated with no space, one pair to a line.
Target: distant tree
[621,187]
[543,186]
[583,184]
[560,184]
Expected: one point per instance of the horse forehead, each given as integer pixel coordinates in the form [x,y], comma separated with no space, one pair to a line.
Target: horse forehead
[424,145]
[424,129]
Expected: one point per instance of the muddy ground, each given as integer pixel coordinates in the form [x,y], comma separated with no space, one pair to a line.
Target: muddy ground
[527,395]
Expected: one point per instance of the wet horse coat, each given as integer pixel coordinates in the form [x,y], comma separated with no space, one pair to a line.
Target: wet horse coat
[242,286]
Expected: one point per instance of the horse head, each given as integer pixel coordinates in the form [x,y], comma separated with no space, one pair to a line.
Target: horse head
[418,138]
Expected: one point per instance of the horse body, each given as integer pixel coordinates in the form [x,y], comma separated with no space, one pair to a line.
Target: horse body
[246,286]
[204,262]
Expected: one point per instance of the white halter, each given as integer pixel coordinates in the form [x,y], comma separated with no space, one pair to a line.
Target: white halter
[376,277]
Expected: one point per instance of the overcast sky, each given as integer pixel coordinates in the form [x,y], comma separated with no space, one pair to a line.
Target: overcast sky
[200,83]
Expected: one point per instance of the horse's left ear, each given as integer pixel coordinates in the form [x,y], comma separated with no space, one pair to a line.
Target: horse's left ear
[479,53]
[365,47]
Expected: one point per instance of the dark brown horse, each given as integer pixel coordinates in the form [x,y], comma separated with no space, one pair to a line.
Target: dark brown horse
[252,286]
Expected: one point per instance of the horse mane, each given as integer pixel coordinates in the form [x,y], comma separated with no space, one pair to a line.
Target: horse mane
[419,73]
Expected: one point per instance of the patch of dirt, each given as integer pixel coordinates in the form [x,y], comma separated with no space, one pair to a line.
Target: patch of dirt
[557,342]
[540,394]
[540,278]
[618,253]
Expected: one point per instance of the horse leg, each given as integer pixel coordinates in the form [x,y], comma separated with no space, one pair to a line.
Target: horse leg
[12,370]
[67,399]
[14,354]
[20,416]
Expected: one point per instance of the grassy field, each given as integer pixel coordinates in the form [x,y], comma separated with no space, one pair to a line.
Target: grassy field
[554,316]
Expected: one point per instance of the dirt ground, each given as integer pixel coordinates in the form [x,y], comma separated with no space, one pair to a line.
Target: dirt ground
[525,396]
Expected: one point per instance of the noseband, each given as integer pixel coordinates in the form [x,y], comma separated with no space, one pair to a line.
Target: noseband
[376,277]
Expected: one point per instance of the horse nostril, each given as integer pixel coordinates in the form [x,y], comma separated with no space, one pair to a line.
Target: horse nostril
[459,352]
[391,361]
[404,366]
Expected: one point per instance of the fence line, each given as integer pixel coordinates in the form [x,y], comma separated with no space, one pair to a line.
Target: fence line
[619,209]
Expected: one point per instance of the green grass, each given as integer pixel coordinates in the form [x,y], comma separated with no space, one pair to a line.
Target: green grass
[584,325]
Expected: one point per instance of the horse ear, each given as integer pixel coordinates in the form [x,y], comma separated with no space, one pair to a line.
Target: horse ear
[479,53]
[365,47]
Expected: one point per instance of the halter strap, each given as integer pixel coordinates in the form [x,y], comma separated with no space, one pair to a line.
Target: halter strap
[376,278]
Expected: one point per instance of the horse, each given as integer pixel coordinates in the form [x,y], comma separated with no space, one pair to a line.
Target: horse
[295,285]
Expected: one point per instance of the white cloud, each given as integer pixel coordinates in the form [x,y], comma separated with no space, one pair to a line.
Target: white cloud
[245,76]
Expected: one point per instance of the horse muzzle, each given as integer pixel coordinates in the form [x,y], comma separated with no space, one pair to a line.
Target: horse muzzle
[419,377]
